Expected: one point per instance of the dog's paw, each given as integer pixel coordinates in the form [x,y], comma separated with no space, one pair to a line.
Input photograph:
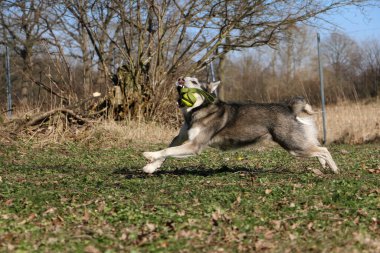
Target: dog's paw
[151,156]
[150,168]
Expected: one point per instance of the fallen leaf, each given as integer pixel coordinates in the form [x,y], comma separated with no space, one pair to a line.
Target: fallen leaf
[374,171]
[10,247]
[292,237]
[101,206]
[196,202]
[374,225]
[5,216]
[217,214]
[362,212]
[151,227]
[316,171]
[123,236]
[263,245]
[310,226]
[237,201]
[164,244]
[49,210]
[30,218]
[276,224]
[86,216]
[294,226]
[52,240]
[297,185]
[57,221]
[91,249]
[269,234]
[268,191]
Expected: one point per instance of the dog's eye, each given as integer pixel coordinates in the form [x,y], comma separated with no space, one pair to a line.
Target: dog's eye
[194,82]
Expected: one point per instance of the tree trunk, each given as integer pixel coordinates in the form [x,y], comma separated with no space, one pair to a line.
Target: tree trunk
[27,70]
[86,61]
[220,69]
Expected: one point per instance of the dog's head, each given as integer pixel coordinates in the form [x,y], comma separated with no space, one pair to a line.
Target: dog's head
[192,93]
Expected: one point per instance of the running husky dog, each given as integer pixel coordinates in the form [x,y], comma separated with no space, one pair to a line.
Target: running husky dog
[210,122]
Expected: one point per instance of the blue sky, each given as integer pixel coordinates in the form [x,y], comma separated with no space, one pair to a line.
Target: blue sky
[359,24]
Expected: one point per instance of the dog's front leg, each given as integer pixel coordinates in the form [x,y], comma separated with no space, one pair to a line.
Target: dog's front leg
[178,140]
[153,166]
[187,149]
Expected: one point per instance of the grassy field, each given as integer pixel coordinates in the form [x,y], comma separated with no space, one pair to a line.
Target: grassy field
[75,198]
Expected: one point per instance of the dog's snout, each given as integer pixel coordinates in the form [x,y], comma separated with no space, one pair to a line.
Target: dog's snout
[181,81]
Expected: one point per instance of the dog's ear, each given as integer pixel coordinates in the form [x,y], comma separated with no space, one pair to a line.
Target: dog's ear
[213,87]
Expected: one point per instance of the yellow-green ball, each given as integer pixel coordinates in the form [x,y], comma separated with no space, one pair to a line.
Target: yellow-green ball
[188,99]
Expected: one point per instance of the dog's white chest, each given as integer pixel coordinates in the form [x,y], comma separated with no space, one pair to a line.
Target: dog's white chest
[194,132]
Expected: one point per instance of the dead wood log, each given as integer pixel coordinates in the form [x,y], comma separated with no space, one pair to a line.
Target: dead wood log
[42,117]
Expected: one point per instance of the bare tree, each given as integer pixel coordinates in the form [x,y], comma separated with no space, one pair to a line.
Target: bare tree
[80,46]
[159,40]
[23,28]
[343,55]
[340,51]
[368,84]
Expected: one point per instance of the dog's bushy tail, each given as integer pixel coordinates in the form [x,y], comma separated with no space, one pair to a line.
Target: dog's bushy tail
[299,104]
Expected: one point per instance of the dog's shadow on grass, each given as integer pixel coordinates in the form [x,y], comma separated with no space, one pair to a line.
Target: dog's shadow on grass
[201,171]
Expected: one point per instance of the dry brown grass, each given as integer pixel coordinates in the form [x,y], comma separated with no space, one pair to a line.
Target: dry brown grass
[122,134]
[103,134]
[352,123]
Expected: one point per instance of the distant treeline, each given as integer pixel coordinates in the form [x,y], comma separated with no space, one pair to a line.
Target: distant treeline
[351,70]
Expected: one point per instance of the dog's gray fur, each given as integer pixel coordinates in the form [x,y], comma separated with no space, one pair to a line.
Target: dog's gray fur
[230,125]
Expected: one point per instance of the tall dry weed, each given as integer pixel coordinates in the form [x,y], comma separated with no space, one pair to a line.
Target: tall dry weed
[352,122]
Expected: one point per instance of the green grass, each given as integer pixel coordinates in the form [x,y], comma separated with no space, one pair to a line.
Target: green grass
[72,198]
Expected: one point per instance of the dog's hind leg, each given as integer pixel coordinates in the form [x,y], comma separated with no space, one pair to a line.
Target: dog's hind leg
[322,162]
[306,144]
[322,154]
